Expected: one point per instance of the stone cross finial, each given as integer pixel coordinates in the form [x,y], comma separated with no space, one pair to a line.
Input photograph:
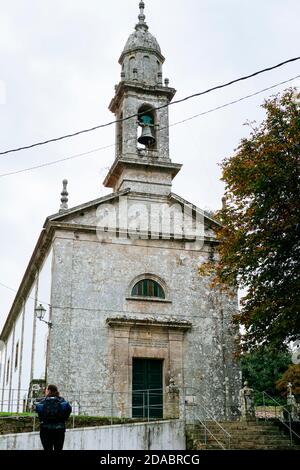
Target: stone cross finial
[64,197]
[142,15]
[141,24]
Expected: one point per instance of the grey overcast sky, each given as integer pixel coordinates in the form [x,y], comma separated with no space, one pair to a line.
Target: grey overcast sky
[58,68]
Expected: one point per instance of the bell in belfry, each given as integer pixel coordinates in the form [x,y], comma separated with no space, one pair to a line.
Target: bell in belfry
[146,138]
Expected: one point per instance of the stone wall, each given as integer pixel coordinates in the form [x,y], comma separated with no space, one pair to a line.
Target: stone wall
[167,435]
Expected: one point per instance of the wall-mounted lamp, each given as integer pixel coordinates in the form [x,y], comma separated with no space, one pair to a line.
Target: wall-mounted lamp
[40,313]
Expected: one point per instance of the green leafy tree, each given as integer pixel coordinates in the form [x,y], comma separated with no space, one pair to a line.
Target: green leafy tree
[260,234]
[262,368]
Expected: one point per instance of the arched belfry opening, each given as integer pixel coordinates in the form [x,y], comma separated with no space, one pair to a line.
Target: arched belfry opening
[147,135]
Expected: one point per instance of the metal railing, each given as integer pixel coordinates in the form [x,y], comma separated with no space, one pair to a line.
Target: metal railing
[203,414]
[281,416]
[226,434]
[116,407]
[13,400]
[105,407]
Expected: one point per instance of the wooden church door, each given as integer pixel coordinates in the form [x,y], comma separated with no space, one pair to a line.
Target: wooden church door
[147,388]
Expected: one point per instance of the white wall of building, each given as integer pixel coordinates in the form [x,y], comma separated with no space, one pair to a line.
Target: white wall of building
[7,372]
[42,329]
[15,362]
[31,336]
[19,376]
[27,345]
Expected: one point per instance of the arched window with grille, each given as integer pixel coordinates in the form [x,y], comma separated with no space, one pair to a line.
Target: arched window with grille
[148,288]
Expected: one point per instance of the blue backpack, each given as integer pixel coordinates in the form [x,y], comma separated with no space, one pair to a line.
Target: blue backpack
[53,410]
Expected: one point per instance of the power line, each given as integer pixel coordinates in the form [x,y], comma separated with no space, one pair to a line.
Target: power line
[29,297]
[7,287]
[57,161]
[159,130]
[66,136]
[235,101]
[100,309]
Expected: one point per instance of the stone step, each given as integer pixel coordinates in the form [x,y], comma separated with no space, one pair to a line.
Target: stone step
[240,427]
[244,437]
[247,439]
[263,440]
[233,435]
[248,432]
[256,436]
[241,424]
[276,440]
[275,443]
[246,447]
[262,432]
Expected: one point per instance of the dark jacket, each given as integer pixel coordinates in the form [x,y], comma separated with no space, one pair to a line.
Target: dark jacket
[53,422]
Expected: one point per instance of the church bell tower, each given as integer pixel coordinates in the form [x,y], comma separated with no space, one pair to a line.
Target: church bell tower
[142,161]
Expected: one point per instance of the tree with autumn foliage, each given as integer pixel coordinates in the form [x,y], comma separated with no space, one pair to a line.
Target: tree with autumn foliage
[259,238]
[291,375]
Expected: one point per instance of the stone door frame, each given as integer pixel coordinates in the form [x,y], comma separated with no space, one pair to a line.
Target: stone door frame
[145,339]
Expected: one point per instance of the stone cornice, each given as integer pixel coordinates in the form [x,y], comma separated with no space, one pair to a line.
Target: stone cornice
[171,323]
[127,86]
[145,164]
[134,49]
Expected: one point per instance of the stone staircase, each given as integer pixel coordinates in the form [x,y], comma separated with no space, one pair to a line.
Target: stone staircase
[244,436]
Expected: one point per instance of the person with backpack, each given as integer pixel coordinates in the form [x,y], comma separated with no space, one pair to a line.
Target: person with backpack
[53,412]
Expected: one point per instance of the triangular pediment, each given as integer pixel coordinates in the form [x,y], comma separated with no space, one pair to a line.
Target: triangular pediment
[127,210]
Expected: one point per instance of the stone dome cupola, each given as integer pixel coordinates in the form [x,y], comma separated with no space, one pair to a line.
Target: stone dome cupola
[141,59]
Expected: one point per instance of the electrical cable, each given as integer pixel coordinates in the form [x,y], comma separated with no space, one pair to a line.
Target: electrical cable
[115,311]
[159,130]
[217,87]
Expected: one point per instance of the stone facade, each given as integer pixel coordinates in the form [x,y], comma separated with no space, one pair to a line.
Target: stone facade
[99,327]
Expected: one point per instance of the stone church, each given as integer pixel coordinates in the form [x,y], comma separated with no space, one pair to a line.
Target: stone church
[130,327]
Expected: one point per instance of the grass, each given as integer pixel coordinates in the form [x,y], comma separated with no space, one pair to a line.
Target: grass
[11,423]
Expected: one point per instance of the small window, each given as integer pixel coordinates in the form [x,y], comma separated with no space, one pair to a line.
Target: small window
[7,370]
[17,355]
[148,288]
